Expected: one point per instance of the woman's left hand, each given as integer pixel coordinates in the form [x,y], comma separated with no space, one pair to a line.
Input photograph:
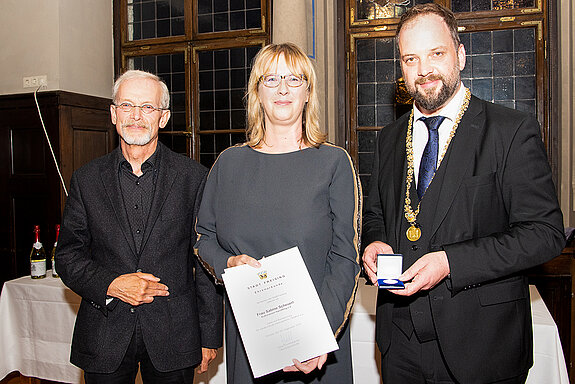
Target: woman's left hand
[234,261]
[307,366]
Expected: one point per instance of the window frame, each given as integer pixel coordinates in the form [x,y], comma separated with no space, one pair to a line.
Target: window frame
[190,44]
[536,17]
[214,46]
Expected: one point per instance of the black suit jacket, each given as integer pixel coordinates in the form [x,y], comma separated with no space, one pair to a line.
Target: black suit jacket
[493,208]
[96,246]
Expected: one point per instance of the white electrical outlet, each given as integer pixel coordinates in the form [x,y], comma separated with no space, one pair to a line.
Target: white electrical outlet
[35,81]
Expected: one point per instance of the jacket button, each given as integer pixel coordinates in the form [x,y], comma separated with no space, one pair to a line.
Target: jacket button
[132,310]
[414,247]
[139,270]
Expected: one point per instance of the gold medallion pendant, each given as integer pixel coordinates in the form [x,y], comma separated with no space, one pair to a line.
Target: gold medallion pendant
[413,233]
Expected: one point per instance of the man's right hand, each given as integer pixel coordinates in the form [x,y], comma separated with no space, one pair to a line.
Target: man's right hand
[137,288]
[370,258]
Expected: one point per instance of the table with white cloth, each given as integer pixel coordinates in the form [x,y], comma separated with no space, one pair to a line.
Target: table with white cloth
[37,318]
[36,323]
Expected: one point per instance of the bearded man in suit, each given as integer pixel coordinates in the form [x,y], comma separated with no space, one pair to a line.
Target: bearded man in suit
[126,247]
[462,189]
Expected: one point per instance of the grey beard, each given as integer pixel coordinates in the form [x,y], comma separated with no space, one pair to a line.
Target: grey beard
[136,140]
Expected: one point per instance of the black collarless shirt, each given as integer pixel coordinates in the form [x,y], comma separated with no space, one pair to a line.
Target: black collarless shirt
[138,193]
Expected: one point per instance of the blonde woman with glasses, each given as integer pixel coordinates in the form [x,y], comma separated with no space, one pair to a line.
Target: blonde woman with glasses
[285,187]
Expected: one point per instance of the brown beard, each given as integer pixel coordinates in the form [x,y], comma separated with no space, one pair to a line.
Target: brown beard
[433,101]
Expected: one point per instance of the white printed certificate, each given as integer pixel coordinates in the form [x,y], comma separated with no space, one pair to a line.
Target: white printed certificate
[278,312]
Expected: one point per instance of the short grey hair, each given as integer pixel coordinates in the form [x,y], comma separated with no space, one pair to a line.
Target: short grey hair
[137,74]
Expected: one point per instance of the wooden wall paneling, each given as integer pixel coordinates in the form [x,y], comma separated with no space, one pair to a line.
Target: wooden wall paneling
[65,153]
[30,196]
[6,256]
[88,145]
[80,129]
[86,132]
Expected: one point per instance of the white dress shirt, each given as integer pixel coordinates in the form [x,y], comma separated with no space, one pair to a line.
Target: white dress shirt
[420,132]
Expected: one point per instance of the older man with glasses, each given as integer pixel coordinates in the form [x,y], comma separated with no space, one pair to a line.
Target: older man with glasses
[126,247]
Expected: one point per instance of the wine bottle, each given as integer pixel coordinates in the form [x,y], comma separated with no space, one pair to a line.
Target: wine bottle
[54,273]
[37,257]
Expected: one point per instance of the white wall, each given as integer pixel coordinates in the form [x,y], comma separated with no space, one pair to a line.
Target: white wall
[70,41]
[293,21]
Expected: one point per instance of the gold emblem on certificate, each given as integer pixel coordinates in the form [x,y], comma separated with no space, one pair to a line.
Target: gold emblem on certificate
[413,233]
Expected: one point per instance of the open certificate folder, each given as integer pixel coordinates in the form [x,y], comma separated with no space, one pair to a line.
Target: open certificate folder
[278,312]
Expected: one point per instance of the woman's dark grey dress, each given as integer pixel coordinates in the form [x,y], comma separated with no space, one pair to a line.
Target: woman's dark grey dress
[258,204]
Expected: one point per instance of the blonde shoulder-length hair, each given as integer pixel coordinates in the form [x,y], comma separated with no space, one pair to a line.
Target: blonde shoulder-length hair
[298,63]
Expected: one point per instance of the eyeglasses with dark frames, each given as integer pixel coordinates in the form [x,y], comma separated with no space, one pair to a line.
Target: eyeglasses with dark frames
[146,108]
[273,80]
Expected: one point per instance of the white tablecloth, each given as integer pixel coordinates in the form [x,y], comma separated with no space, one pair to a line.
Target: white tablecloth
[36,322]
[548,360]
[37,318]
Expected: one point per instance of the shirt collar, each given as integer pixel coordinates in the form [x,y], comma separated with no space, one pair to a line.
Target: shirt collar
[150,163]
[450,111]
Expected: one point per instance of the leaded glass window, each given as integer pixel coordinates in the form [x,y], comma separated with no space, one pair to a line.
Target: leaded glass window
[222,77]
[500,67]
[171,69]
[232,15]
[149,19]
[202,49]
[489,5]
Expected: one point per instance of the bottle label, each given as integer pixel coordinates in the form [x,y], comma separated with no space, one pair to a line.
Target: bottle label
[37,245]
[38,268]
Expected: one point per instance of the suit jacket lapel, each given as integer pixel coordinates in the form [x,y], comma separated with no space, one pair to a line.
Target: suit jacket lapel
[460,152]
[164,183]
[111,184]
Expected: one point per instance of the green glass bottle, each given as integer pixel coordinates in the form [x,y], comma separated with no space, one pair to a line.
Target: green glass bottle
[37,257]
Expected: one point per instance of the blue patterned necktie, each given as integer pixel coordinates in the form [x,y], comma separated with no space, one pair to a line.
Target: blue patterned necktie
[428,163]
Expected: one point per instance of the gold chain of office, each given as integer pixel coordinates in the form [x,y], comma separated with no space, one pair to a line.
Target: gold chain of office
[413,233]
